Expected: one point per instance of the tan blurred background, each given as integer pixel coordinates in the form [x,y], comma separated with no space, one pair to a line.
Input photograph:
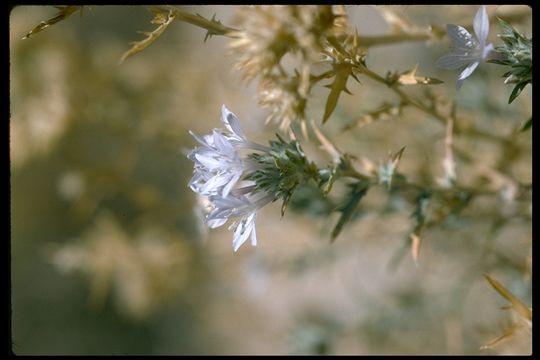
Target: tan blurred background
[109,255]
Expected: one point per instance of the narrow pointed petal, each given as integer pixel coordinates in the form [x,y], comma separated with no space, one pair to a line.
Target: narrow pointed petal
[460,37]
[481,25]
[254,235]
[242,231]
[466,73]
[206,140]
[231,122]
[215,223]
[223,145]
[453,61]
[214,184]
[227,188]
[208,161]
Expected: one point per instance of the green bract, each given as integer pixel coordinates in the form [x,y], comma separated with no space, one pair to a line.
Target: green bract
[516,52]
[282,169]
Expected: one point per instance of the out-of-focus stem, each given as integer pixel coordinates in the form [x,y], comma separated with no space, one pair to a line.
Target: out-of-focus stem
[214,27]
[407,100]
[368,41]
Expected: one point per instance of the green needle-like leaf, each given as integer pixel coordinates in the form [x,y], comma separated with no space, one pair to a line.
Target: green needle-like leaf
[358,190]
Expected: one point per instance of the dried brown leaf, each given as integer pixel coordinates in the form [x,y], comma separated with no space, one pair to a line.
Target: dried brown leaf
[517,304]
[338,85]
[410,78]
[63,12]
[164,20]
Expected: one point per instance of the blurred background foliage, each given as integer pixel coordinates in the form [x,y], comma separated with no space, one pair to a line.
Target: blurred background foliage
[110,256]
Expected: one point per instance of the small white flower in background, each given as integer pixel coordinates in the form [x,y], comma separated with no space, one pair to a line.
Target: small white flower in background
[467,50]
[218,168]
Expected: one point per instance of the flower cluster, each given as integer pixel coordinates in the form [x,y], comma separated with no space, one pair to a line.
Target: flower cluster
[237,185]
[218,169]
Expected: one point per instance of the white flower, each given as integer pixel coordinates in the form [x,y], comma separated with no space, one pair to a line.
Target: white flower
[467,50]
[240,203]
[218,166]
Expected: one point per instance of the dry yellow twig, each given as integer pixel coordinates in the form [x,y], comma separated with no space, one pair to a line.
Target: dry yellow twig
[159,18]
[63,12]
[517,304]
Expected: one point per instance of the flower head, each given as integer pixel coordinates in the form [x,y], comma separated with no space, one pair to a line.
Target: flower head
[218,168]
[236,185]
[467,50]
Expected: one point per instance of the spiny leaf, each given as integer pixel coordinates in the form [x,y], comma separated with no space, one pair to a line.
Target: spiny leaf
[387,170]
[63,12]
[340,82]
[506,27]
[397,156]
[516,91]
[527,125]
[159,18]
[410,78]
[358,190]
[210,33]
[517,304]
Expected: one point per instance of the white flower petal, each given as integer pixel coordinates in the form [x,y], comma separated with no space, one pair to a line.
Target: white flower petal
[213,185]
[453,61]
[215,223]
[254,235]
[231,122]
[460,37]
[481,25]
[206,140]
[208,161]
[234,179]
[229,201]
[194,182]
[201,151]
[466,73]
[223,145]
[242,231]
